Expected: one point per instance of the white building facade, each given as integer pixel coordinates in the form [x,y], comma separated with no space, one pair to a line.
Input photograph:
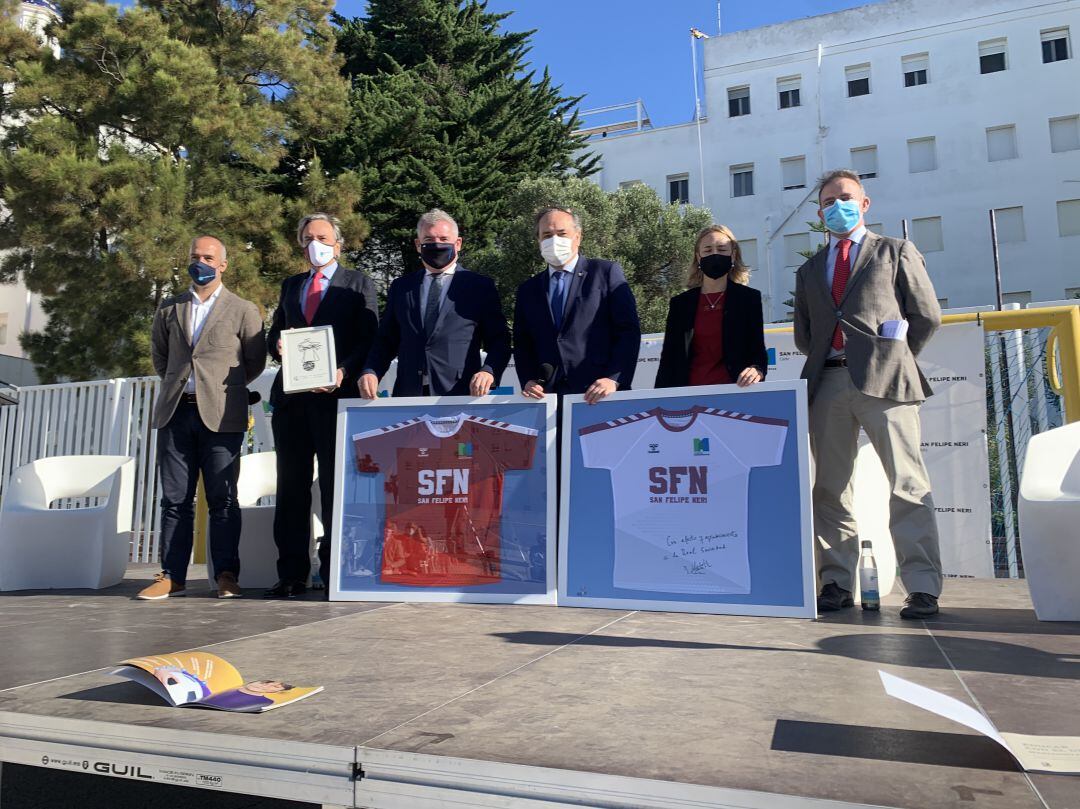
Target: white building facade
[947,110]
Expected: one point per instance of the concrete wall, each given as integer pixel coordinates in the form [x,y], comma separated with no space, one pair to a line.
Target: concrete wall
[956,108]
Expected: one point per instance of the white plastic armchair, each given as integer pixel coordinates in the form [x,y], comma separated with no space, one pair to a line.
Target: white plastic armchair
[67,548]
[1049,506]
[258,553]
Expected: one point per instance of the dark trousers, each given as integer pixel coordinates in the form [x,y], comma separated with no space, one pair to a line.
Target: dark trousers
[305,428]
[186,447]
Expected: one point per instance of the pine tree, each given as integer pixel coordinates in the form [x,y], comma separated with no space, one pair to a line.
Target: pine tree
[156,123]
[446,114]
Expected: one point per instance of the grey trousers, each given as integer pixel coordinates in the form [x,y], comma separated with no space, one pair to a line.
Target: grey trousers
[837,412]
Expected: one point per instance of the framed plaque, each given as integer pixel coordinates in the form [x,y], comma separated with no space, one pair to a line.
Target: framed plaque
[307,359]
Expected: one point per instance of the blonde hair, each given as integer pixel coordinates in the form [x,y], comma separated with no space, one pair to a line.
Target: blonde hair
[740,273]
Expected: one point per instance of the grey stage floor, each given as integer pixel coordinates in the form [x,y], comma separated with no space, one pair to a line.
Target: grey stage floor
[773,705]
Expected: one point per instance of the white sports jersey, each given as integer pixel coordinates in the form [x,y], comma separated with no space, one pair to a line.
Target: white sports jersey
[680,484]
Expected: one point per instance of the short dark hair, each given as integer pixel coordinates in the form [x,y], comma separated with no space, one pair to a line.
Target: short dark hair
[551,209]
[836,174]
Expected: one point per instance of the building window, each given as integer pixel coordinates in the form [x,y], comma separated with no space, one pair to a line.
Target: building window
[793,172]
[738,101]
[922,155]
[678,188]
[1001,143]
[1069,217]
[789,91]
[748,249]
[927,235]
[1010,225]
[1065,134]
[630,184]
[858,80]
[3,328]
[1055,45]
[864,162]
[877,228]
[796,246]
[992,55]
[916,69]
[742,180]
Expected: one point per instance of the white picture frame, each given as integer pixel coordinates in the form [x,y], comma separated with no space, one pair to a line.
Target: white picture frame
[308,359]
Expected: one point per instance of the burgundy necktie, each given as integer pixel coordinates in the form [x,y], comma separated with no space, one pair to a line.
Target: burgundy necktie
[841,273]
[314,296]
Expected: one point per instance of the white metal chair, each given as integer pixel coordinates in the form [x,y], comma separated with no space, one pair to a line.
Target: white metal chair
[67,548]
[1049,508]
[258,553]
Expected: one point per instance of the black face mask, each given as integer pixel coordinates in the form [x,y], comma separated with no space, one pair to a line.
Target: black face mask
[202,274]
[715,265]
[438,254]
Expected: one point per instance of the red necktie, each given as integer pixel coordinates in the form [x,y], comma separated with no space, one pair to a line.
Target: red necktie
[841,273]
[314,297]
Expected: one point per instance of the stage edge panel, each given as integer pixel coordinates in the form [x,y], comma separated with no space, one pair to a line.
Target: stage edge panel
[298,771]
[397,780]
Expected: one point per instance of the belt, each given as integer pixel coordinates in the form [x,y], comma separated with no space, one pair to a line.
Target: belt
[835,362]
[187,398]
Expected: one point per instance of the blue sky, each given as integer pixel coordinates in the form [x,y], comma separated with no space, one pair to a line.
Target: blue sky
[616,51]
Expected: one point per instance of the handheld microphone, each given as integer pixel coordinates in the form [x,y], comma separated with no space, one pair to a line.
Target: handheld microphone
[547,373]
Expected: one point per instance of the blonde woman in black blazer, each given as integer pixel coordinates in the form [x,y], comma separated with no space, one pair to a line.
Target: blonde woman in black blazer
[715,330]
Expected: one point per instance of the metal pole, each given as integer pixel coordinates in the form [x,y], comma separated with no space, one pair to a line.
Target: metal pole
[997,259]
[903,228]
[719,19]
[697,117]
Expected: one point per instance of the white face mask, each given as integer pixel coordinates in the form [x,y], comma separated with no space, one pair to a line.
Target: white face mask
[319,254]
[557,250]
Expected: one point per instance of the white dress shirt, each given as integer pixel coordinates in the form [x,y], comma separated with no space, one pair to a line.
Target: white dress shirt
[425,285]
[200,310]
[328,274]
[856,237]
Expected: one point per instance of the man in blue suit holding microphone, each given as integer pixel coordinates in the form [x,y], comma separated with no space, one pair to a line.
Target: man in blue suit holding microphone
[576,327]
[436,321]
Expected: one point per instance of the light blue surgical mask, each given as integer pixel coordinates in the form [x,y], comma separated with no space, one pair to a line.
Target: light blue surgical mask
[843,216]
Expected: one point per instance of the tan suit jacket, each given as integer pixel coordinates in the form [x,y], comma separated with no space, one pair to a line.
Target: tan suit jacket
[888,282]
[231,352]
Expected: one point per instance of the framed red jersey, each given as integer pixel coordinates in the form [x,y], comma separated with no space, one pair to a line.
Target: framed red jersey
[449,499]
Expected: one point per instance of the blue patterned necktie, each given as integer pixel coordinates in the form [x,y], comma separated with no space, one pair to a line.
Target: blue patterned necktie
[558,298]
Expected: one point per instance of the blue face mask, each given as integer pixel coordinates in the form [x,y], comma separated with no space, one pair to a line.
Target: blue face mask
[843,216]
[201,274]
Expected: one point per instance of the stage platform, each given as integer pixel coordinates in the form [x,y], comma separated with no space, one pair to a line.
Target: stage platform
[439,705]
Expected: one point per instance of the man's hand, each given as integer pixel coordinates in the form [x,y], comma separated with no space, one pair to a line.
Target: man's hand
[337,383]
[279,346]
[749,376]
[533,390]
[481,383]
[369,386]
[599,389]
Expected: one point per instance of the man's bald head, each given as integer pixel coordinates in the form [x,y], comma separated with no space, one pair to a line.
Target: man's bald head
[208,246]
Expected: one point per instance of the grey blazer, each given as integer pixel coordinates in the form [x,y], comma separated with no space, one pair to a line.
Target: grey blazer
[888,282]
[231,352]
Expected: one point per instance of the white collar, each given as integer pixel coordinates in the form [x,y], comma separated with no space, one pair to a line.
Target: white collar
[568,267]
[447,271]
[197,301]
[327,271]
[855,237]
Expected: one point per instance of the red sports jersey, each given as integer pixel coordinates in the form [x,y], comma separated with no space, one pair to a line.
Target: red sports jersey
[444,483]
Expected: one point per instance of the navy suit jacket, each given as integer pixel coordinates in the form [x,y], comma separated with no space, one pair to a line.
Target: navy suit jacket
[600,335]
[350,306]
[471,317]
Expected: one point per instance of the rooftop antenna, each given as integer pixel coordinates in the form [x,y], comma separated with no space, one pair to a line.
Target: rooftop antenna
[719,19]
[695,34]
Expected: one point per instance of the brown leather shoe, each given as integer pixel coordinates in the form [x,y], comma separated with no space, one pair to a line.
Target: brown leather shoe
[227,586]
[163,587]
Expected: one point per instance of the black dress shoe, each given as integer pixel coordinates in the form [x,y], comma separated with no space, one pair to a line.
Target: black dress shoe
[286,589]
[834,597]
[919,605]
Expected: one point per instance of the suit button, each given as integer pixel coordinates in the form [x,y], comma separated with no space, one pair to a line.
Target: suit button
[839,314]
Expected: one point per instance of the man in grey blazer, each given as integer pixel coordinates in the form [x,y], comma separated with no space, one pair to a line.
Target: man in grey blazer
[207,346]
[864,309]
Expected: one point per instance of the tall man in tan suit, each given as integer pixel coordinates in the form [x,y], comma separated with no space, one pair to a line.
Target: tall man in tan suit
[207,346]
[864,309]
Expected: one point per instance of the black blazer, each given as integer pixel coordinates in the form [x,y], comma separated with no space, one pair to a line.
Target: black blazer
[600,335]
[744,335]
[471,316]
[350,306]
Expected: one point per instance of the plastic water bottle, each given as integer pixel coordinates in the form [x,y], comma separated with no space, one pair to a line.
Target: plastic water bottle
[868,582]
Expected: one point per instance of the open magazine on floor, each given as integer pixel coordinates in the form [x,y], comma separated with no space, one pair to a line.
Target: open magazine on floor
[203,680]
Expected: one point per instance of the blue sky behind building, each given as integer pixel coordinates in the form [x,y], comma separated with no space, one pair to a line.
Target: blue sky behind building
[616,51]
